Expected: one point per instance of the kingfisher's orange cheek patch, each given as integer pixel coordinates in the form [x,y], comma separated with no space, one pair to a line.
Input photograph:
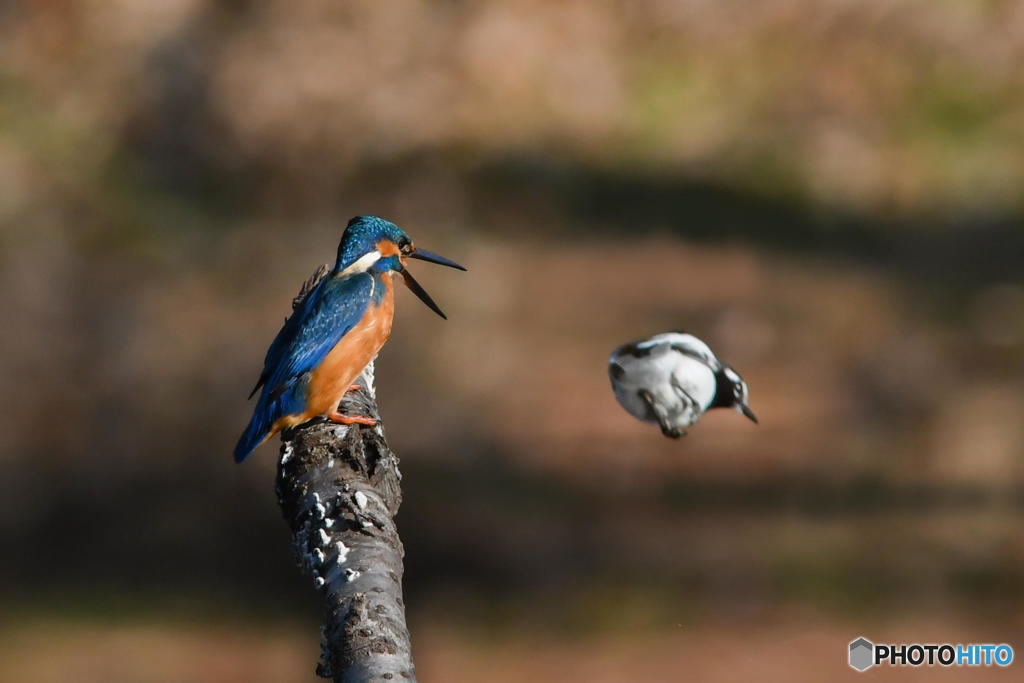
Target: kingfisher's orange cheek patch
[387,248]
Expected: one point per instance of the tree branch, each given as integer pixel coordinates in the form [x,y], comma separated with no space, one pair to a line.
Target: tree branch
[339,490]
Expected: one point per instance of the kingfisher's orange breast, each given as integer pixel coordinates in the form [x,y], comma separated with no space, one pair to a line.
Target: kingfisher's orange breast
[342,365]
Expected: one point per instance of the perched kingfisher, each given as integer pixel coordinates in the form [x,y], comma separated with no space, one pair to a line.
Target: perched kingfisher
[335,331]
[672,379]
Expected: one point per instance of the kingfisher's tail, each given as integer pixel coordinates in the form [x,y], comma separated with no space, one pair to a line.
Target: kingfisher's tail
[262,425]
[258,431]
[272,406]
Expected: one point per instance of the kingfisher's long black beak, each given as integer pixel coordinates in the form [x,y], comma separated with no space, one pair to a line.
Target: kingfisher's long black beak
[749,413]
[411,283]
[431,257]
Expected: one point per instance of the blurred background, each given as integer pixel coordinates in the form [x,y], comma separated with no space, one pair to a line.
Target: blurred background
[827,191]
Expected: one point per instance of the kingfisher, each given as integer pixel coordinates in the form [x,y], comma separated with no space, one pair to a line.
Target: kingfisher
[335,331]
[672,379]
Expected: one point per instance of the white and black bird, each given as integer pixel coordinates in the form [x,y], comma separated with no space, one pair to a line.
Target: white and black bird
[672,379]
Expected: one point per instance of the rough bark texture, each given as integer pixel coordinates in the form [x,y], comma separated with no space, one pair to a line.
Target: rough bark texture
[339,490]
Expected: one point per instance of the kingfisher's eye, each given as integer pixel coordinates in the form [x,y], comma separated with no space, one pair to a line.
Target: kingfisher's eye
[405,245]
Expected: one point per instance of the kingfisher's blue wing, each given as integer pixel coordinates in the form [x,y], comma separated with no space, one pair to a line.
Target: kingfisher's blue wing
[291,324]
[326,315]
[330,311]
[286,335]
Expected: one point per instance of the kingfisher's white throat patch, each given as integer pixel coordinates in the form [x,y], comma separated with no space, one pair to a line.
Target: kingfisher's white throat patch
[363,263]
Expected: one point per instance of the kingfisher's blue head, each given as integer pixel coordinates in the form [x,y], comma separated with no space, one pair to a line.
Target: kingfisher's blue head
[373,244]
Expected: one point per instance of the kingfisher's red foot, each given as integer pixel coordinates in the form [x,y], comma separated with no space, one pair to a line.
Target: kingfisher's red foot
[351,419]
[355,387]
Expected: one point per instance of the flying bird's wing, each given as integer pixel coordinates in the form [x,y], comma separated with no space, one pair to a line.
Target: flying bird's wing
[699,352]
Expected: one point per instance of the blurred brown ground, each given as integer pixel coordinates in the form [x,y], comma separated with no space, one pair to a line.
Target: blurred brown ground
[827,192]
[793,650]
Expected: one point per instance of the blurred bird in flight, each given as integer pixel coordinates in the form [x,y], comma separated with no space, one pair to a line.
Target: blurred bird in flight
[672,379]
[335,331]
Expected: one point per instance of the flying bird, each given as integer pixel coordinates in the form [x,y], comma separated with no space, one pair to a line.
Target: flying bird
[672,379]
[335,331]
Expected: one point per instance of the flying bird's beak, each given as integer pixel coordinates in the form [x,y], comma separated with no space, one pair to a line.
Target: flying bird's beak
[749,413]
[431,257]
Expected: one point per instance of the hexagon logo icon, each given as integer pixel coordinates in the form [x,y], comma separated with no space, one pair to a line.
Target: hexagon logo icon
[862,654]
